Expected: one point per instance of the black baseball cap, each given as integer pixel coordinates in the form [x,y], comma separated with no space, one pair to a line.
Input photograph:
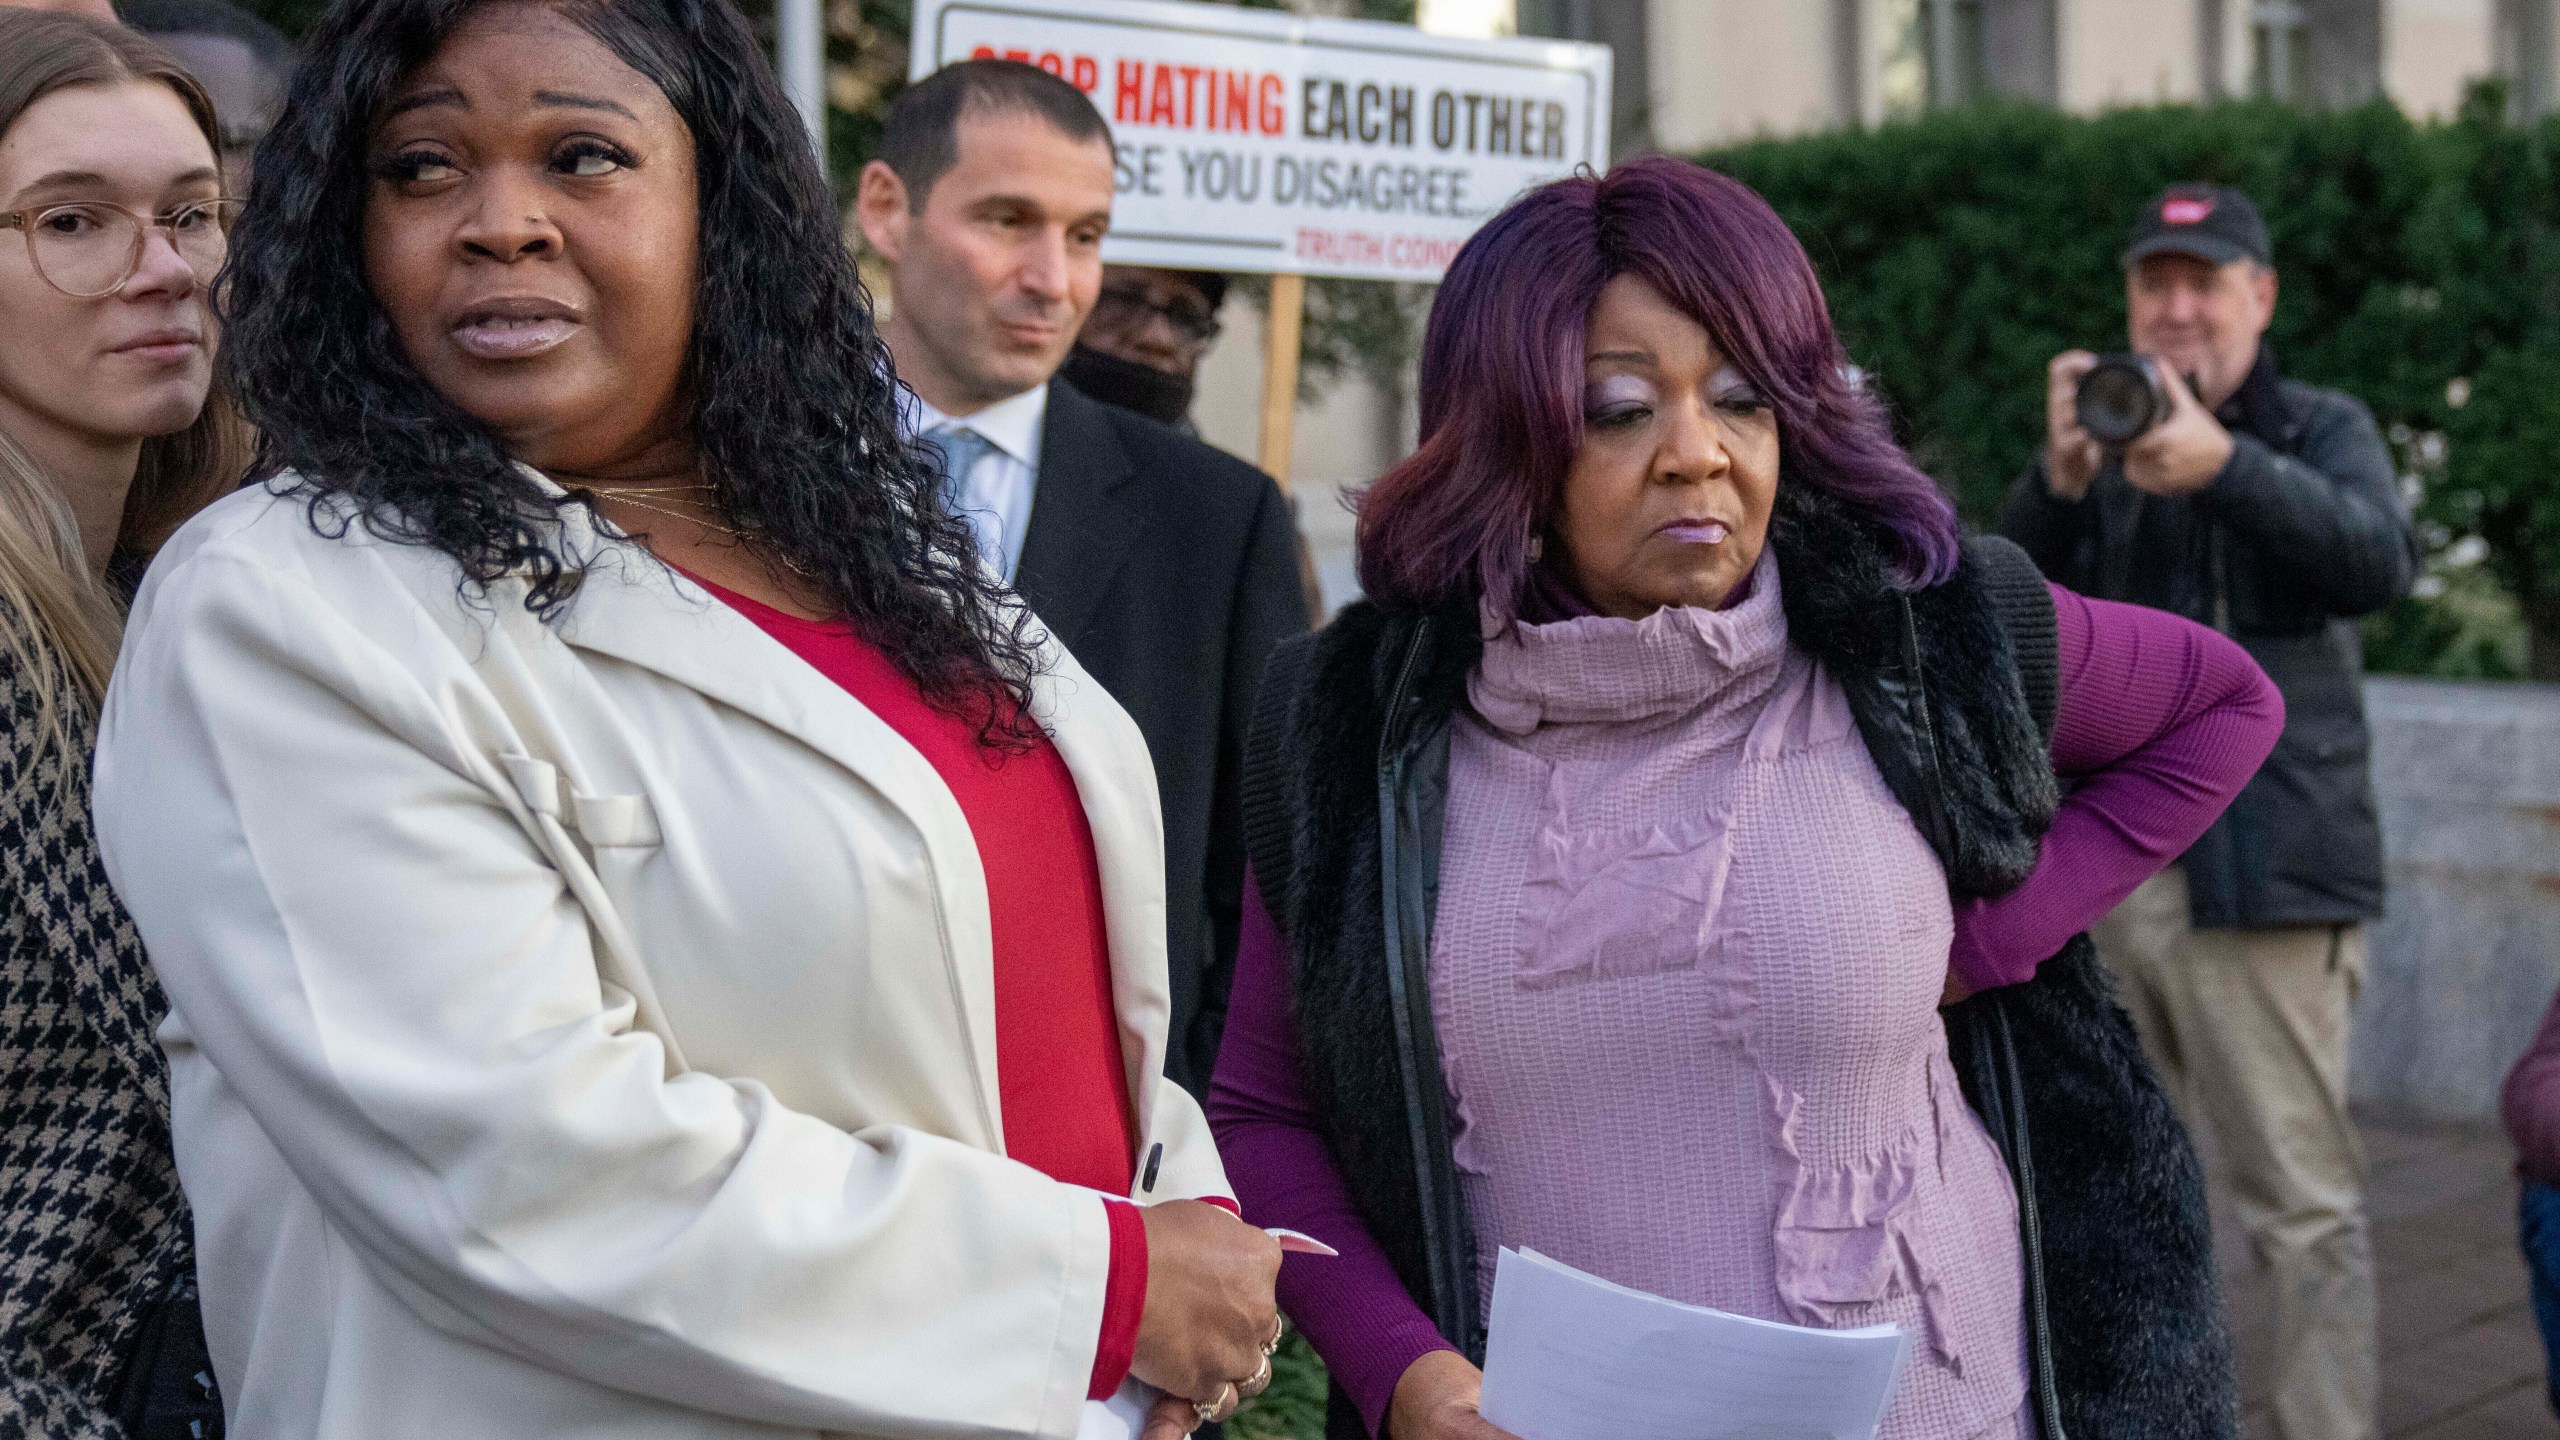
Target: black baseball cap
[2214,223]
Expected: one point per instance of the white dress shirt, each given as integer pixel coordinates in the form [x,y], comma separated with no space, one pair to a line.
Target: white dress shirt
[995,496]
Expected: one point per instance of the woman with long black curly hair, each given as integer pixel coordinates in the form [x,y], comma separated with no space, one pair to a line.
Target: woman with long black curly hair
[659,943]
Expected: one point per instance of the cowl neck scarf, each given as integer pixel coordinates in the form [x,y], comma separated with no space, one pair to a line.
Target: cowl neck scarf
[1599,669]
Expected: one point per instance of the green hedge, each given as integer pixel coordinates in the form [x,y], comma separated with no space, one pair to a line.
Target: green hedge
[2419,272]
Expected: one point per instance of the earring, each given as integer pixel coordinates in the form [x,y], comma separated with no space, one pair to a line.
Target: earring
[1537,548]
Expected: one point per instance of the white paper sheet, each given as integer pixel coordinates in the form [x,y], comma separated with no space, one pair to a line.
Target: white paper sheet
[1571,1356]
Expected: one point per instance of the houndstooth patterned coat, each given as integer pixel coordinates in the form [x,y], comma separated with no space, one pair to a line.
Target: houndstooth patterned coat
[93,1229]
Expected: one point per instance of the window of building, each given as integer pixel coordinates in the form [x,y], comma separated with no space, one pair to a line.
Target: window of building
[1939,56]
[1956,50]
[1476,19]
[2280,49]
[2524,55]
[1620,25]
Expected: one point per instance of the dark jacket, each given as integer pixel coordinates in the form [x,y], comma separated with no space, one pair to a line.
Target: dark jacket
[100,1338]
[1347,784]
[2303,530]
[1169,570]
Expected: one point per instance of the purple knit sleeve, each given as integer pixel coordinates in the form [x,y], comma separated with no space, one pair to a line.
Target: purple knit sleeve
[1352,1307]
[2161,722]
[2530,1102]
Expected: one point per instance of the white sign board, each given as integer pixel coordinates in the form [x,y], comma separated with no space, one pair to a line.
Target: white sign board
[1259,141]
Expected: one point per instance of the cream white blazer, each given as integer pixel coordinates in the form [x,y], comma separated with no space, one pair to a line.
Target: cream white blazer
[587,1030]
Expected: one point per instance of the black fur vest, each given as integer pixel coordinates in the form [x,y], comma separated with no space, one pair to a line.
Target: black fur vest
[1953,689]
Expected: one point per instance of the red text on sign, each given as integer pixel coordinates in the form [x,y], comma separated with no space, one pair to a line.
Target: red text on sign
[1198,97]
[1082,71]
[1420,253]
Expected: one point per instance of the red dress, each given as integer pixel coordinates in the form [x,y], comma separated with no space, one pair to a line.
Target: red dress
[1059,1073]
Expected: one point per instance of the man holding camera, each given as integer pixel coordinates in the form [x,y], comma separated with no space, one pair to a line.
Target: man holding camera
[2191,476]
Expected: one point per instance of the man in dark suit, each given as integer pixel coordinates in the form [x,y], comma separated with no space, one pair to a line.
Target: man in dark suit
[1166,567]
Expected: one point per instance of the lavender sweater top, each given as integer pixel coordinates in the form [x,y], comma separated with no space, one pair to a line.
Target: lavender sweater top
[1665,848]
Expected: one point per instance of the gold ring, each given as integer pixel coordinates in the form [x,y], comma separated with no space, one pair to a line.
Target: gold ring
[1279,1329]
[1219,1407]
[1258,1382]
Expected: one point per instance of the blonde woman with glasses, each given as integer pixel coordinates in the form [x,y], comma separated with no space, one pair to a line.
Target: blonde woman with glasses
[112,226]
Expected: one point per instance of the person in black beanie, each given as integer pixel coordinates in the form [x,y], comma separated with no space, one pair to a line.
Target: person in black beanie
[1140,347]
[2265,508]
[242,61]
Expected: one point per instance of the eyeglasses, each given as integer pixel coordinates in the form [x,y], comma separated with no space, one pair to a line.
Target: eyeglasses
[89,248]
[1124,309]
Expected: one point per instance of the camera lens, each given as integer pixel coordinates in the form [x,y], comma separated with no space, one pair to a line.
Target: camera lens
[2118,400]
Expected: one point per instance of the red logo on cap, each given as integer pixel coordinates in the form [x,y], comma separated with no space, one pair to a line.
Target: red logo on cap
[2185,211]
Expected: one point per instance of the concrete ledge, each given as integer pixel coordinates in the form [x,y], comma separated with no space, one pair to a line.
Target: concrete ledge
[2468,778]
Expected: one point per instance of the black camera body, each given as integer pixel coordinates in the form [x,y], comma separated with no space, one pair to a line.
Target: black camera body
[2121,397]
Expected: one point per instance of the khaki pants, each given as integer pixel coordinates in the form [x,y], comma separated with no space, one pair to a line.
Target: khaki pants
[2249,1031]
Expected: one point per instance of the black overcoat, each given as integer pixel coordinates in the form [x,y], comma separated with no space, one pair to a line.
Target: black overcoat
[1169,569]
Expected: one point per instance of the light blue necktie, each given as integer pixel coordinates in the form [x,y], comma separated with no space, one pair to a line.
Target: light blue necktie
[962,448]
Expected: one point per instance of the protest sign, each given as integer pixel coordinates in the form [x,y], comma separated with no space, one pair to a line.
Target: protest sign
[1251,140]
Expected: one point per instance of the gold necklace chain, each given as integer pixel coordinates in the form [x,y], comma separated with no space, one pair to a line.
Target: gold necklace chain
[616,491]
[685,515]
[623,496]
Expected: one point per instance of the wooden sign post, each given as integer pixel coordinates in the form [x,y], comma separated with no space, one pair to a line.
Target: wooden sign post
[1282,334]
[1280,337]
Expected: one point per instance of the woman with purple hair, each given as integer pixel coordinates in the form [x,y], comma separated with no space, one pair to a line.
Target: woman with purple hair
[1625,859]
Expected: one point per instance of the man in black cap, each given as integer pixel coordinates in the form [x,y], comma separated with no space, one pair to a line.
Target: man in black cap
[2265,508]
